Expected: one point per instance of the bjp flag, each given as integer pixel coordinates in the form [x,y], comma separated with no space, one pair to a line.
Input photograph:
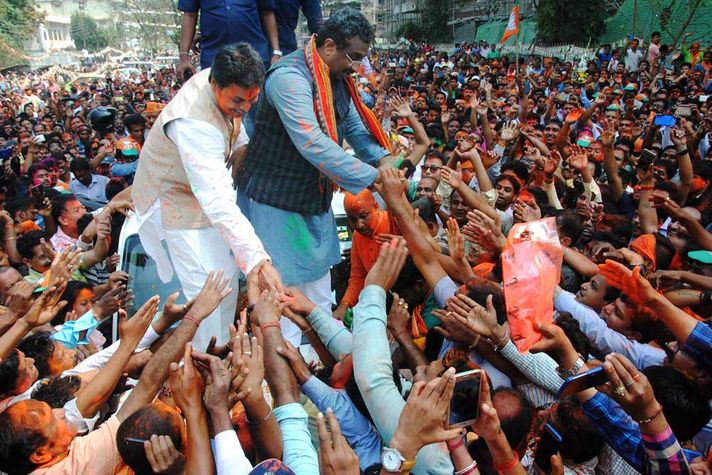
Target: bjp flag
[512,25]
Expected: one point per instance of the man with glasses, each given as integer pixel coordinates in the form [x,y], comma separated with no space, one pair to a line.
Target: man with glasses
[295,156]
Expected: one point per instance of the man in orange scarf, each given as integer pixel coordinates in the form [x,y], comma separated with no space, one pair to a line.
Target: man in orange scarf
[295,157]
[367,221]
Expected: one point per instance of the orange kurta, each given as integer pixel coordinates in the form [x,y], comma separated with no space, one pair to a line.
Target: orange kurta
[364,252]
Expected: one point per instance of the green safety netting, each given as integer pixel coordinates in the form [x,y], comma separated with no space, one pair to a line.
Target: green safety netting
[492,32]
[666,16]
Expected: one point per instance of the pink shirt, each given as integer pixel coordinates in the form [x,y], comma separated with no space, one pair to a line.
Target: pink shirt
[61,241]
[93,454]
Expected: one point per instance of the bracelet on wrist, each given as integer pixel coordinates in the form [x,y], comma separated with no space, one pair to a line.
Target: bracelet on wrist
[468,470]
[683,152]
[452,446]
[651,418]
[706,297]
[266,325]
[190,318]
[506,467]
[261,421]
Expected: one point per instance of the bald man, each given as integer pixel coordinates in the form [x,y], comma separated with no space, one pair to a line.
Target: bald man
[367,221]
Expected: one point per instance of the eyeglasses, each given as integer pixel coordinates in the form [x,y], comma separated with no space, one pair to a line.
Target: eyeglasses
[353,62]
[430,167]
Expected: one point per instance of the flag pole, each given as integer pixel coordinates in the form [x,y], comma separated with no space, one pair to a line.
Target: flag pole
[516,54]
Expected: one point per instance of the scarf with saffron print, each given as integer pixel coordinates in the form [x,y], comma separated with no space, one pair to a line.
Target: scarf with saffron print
[324,99]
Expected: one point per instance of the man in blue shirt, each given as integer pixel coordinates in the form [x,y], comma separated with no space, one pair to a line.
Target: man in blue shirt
[287,15]
[226,22]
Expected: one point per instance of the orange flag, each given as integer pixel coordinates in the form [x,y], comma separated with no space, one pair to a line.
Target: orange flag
[512,25]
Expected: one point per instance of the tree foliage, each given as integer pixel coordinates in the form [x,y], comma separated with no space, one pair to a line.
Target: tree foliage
[18,19]
[570,21]
[433,27]
[85,32]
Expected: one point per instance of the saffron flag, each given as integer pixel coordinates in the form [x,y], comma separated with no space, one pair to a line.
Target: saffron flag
[512,25]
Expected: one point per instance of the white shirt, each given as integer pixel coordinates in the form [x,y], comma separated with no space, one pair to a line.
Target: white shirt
[201,147]
[230,459]
[632,59]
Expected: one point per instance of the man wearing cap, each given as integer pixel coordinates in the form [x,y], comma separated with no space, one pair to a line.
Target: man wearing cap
[127,152]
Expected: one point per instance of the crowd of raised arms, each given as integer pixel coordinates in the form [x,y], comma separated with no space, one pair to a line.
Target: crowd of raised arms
[616,152]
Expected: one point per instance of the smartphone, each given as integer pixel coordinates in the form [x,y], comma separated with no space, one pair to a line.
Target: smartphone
[665,120]
[40,138]
[548,446]
[465,402]
[646,159]
[579,382]
[683,110]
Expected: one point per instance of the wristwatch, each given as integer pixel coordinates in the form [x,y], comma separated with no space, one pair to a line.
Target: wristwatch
[567,373]
[394,462]
[276,52]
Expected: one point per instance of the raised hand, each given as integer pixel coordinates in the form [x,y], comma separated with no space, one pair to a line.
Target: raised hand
[63,266]
[296,361]
[46,307]
[163,456]
[385,271]
[574,116]
[421,422]
[474,316]
[629,387]
[336,457]
[452,177]
[631,283]
[400,106]
[186,383]
[214,291]
[579,158]
[247,366]
[19,297]
[487,424]
[509,131]
[217,381]
[398,318]
[132,330]
[525,211]
[670,206]
[455,240]
[608,135]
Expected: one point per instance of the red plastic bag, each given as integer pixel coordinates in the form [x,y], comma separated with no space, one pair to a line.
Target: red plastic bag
[531,268]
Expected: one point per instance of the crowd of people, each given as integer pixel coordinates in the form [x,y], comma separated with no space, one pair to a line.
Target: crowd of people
[440,155]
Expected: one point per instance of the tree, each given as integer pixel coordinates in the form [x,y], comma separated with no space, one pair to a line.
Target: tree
[18,19]
[570,21]
[85,32]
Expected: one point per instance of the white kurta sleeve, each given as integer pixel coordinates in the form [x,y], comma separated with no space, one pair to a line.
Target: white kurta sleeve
[202,147]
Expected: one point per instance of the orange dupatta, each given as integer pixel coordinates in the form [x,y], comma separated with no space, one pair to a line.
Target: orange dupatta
[324,99]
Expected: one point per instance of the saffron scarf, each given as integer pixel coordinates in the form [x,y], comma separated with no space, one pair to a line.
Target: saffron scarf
[324,99]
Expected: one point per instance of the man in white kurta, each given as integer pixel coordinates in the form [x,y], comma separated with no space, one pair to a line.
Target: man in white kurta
[183,192]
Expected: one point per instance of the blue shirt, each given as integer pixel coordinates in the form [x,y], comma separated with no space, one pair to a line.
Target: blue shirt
[699,345]
[223,22]
[287,15]
[359,433]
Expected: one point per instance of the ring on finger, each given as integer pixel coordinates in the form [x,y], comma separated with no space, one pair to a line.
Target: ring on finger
[636,376]
[619,390]
[248,353]
[629,384]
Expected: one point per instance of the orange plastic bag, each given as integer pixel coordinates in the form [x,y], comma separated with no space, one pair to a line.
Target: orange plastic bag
[531,268]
